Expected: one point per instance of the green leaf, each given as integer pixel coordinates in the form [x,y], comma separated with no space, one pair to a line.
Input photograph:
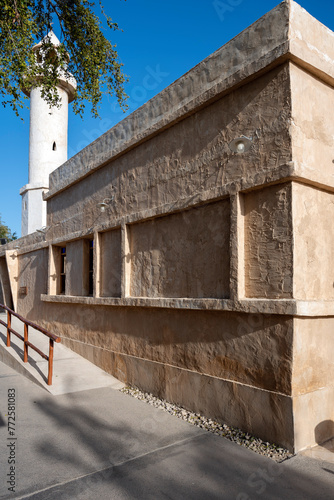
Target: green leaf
[85,53]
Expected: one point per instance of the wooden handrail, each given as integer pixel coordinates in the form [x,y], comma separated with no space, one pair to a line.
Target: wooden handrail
[52,338]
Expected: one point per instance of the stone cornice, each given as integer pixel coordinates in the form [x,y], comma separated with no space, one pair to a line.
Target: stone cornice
[286,307]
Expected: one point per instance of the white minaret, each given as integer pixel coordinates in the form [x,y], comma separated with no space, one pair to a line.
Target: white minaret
[47,146]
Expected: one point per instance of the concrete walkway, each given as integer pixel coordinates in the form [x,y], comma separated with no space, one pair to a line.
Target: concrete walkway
[100,443]
[71,372]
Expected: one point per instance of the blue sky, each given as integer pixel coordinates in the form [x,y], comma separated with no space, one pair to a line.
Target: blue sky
[160,42]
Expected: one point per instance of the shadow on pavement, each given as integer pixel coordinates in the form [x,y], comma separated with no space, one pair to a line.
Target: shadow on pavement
[107,445]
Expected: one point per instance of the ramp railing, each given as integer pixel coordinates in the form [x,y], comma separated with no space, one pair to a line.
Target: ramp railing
[52,338]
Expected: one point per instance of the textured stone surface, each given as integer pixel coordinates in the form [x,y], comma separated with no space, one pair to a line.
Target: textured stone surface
[313,355]
[29,242]
[179,199]
[183,255]
[186,160]
[110,265]
[211,78]
[313,215]
[289,33]
[268,242]
[253,349]
[311,43]
[222,400]
[313,417]
[285,307]
[13,271]
[6,294]
[312,127]
[77,267]
[33,274]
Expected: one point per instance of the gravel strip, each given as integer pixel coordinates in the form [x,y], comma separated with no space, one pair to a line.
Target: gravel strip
[269,450]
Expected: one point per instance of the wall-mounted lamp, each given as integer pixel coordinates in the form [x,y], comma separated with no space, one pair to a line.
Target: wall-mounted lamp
[103,205]
[240,144]
[42,230]
[14,254]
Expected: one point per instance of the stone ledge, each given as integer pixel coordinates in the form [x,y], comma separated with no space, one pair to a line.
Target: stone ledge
[288,307]
[25,244]
[173,303]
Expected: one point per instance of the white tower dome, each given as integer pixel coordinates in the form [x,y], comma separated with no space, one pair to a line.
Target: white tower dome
[47,146]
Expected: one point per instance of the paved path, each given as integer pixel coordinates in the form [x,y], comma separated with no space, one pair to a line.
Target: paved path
[100,443]
[71,372]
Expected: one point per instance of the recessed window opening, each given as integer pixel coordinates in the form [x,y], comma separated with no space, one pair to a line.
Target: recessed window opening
[62,270]
[54,146]
[91,268]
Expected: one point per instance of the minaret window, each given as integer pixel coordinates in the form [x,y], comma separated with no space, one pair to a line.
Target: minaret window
[54,146]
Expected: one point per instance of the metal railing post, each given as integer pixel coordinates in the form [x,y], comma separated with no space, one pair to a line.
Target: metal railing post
[26,344]
[25,349]
[50,362]
[9,325]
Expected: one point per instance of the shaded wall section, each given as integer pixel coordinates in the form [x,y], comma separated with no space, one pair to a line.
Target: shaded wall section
[33,275]
[219,363]
[185,160]
[312,380]
[268,242]
[5,289]
[182,255]
[110,265]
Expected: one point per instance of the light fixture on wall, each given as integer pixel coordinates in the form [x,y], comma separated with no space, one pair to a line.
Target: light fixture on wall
[16,248]
[14,254]
[240,144]
[42,230]
[103,205]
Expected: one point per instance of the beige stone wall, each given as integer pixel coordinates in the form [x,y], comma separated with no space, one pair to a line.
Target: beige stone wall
[188,159]
[110,273]
[5,290]
[33,274]
[2,299]
[313,380]
[313,418]
[312,127]
[267,414]
[190,220]
[221,364]
[268,242]
[182,255]
[170,231]
[312,134]
[220,344]
[213,270]
[313,355]
[77,266]
[313,215]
